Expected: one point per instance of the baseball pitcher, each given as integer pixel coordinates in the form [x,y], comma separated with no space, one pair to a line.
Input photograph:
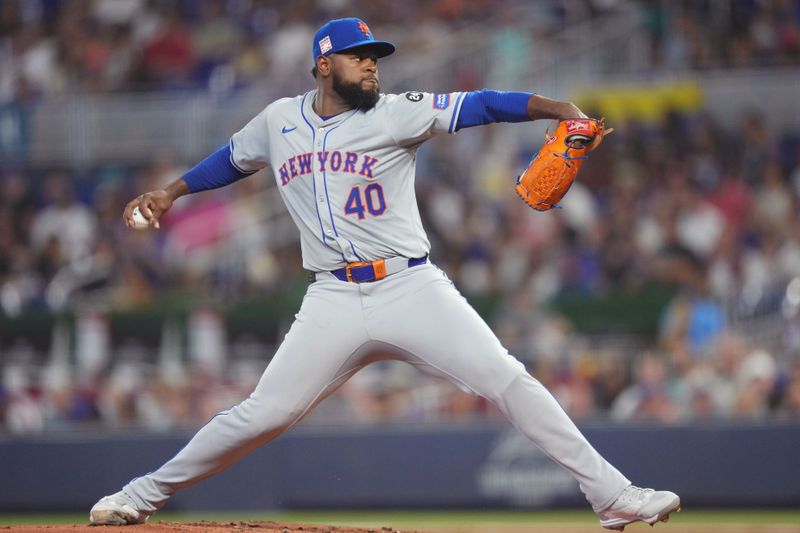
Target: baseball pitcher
[344,155]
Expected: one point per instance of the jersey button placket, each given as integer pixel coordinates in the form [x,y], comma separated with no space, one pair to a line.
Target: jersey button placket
[318,173]
[320,184]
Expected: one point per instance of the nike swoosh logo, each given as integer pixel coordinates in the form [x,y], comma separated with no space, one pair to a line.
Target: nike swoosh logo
[287,130]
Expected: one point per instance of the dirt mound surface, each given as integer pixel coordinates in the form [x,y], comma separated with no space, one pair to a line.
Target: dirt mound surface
[200,527]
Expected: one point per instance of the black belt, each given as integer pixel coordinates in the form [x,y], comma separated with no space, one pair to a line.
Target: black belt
[365,272]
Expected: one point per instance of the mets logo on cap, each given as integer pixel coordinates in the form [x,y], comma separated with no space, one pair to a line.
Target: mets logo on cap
[364,28]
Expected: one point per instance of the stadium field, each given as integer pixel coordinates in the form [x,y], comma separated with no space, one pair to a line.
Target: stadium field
[688,521]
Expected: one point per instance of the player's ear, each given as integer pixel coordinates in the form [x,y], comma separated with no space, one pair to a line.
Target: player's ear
[324,66]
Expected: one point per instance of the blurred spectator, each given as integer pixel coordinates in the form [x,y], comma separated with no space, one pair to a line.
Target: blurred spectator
[790,405]
[699,225]
[216,36]
[289,46]
[169,57]
[692,320]
[772,205]
[611,379]
[648,398]
[24,412]
[64,225]
[755,385]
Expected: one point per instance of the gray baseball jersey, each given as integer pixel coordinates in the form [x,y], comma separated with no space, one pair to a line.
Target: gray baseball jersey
[348,181]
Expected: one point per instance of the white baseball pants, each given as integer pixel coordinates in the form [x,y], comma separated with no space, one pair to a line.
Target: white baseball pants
[419,312]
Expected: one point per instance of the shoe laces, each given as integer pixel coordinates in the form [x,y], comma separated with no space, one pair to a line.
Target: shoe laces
[634,494]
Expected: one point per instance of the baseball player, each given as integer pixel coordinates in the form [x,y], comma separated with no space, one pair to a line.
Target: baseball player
[343,155]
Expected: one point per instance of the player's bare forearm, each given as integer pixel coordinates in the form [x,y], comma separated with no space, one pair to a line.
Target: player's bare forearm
[153,204]
[176,189]
[541,107]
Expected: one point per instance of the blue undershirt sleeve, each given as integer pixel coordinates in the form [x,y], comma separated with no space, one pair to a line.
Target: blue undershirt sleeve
[216,170]
[485,107]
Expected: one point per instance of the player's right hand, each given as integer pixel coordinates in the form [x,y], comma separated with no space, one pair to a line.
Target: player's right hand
[152,205]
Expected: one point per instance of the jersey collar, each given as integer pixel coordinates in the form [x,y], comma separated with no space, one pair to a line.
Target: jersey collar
[314,119]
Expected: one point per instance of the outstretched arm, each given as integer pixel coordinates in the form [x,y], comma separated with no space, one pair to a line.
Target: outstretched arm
[217,170]
[485,107]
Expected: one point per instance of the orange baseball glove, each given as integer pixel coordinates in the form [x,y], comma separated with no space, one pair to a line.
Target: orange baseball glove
[551,172]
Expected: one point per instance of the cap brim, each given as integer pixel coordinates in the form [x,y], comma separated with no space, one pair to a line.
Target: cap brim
[382,48]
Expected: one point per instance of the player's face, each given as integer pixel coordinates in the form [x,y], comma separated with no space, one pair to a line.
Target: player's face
[355,77]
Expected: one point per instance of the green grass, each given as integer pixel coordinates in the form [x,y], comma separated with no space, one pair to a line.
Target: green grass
[422,519]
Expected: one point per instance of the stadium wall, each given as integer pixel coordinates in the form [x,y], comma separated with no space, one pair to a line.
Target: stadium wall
[397,467]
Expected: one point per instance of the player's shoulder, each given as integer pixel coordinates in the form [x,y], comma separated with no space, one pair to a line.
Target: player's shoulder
[287,103]
[281,109]
[413,99]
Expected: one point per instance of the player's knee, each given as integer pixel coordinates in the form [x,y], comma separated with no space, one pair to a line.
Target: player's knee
[286,416]
[260,417]
[493,382]
[277,419]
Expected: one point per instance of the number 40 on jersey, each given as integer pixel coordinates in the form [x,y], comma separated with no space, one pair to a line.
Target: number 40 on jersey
[370,200]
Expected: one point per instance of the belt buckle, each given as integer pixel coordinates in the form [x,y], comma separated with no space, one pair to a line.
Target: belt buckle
[378,269]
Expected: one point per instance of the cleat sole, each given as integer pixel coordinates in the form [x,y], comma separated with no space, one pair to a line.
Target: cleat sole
[107,518]
[661,517]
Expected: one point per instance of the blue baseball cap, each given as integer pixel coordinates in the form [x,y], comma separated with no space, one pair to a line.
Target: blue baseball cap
[343,34]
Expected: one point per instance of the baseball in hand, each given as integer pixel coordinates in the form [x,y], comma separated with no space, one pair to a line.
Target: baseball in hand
[139,222]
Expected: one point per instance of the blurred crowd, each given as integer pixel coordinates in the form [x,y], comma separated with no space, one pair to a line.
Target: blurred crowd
[709,212]
[729,34]
[50,48]
[54,47]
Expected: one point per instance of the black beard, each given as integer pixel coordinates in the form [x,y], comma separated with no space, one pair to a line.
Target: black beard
[354,95]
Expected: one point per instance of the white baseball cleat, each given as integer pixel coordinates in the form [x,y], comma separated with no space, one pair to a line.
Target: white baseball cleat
[116,510]
[639,505]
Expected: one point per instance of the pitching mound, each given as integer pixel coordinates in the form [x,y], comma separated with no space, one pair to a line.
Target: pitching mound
[198,527]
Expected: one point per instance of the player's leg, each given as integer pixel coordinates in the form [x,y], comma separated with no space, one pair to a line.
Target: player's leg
[432,321]
[318,354]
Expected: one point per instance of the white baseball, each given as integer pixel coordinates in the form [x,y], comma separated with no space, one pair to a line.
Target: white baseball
[139,222]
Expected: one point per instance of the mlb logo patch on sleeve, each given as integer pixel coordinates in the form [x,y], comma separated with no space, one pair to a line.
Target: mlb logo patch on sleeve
[441,101]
